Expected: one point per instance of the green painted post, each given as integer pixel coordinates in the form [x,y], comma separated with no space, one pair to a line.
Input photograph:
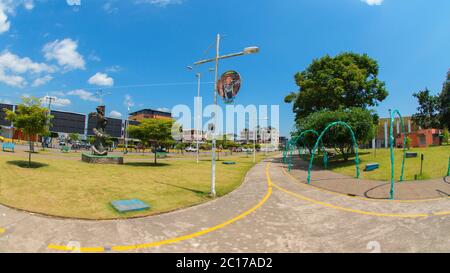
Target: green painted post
[391,148]
[448,170]
[355,144]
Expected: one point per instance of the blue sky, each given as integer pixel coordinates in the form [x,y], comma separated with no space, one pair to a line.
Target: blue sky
[70,48]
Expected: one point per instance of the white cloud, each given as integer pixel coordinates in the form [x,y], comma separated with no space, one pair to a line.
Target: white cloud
[101,79]
[5,101]
[373,2]
[94,57]
[114,69]
[8,7]
[14,63]
[73,2]
[159,3]
[84,95]
[42,80]
[4,23]
[13,80]
[58,102]
[115,114]
[13,68]
[28,4]
[109,8]
[163,109]
[65,53]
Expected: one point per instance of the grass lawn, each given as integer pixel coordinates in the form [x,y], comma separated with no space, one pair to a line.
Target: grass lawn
[434,166]
[62,185]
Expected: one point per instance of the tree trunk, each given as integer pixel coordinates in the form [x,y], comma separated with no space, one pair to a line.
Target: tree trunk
[155,154]
[29,153]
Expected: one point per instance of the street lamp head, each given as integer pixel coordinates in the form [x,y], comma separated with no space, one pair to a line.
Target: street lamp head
[251,50]
[190,67]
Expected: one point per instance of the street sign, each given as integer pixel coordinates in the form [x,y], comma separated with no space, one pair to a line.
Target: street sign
[229,85]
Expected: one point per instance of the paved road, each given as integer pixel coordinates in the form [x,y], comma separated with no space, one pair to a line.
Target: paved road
[270,212]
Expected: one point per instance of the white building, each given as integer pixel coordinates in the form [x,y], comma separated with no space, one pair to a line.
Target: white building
[268,137]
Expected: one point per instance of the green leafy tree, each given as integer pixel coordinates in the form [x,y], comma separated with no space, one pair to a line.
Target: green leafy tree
[339,137]
[428,111]
[181,146]
[446,136]
[152,132]
[31,118]
[444,104]
[331,83]
[74,137]
[408,143]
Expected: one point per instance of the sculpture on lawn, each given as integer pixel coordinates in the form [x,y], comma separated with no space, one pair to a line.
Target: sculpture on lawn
[100,132]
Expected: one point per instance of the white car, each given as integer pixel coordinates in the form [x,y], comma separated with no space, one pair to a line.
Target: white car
[190,149]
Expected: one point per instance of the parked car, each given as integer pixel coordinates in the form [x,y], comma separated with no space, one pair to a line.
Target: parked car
[159,150]
[190,149]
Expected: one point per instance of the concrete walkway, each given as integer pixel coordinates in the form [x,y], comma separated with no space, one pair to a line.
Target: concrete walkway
[406,190]
[270,212]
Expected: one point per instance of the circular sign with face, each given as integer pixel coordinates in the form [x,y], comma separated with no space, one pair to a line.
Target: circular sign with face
[229,85]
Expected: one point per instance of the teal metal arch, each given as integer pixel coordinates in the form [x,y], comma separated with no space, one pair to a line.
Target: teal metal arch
[391,147]
[355,144]
[293,144]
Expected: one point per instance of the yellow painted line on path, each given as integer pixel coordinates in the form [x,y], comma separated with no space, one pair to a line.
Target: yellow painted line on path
[177,239]
[360,197]
[324,204]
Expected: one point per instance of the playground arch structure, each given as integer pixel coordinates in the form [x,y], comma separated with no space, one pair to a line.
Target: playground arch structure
[293,144]
[391,147]
[355,146]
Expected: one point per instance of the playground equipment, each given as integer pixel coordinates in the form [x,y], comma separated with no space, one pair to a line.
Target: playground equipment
[391,146]
[293,144]
[448,170]
[355,145]
[8,146]
[371,167]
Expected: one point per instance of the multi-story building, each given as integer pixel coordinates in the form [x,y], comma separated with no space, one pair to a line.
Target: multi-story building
[149,114]
[266,136]
[418,137]
[65,123]
[192,135]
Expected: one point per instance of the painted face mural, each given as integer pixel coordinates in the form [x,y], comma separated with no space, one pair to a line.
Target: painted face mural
[229,85]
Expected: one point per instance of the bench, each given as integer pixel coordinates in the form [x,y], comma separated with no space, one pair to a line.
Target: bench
[371,167]
[8,146]
[65,149]
[411,154]
[161,155]
[229,163]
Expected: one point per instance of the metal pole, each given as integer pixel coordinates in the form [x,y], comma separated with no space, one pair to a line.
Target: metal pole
[127,124]
[198,115]
[391,147]
[50,99]
[213,162]
[254,145]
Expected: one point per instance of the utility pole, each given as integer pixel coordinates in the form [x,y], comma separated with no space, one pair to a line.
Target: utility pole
[100,94]
[49,100]
[246,51]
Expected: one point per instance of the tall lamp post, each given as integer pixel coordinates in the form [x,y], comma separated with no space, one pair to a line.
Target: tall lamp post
[49,99]
[127,124]
[246,51]
[199,77]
